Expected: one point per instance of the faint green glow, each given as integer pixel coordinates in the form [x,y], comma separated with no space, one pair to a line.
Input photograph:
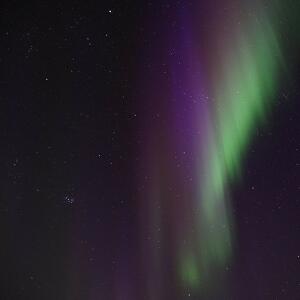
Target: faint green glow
[190,272]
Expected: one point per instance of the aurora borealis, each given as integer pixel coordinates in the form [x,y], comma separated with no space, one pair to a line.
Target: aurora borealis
[215,119]
[150,150]
[245,84]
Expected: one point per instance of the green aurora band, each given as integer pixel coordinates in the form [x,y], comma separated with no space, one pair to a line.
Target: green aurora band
[243,89]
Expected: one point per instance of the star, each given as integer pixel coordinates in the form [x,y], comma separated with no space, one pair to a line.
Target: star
[68,199]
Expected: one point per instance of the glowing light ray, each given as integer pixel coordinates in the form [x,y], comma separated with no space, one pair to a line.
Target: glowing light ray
[243,91]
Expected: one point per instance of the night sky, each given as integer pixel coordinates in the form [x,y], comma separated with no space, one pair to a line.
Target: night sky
[150,150]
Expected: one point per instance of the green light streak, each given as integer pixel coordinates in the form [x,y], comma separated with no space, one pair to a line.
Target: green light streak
[244,89]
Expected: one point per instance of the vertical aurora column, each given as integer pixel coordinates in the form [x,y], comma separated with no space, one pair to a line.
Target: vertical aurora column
[243,78]
[206,93]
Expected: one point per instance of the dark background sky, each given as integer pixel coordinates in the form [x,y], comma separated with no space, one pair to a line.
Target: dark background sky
[69,111]
[67,117]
